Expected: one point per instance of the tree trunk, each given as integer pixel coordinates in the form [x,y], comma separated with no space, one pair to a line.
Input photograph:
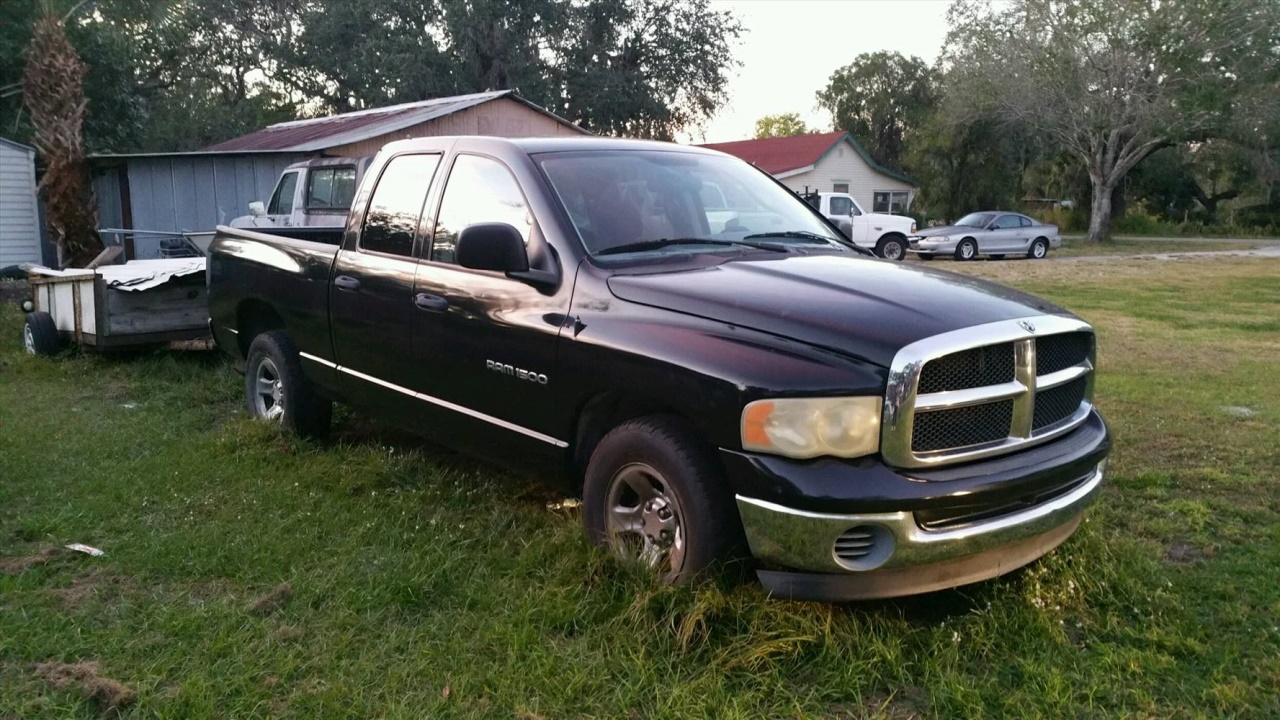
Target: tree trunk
[1100,212]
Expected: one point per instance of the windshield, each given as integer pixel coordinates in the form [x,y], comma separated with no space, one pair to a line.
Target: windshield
[625,202]
[976,220]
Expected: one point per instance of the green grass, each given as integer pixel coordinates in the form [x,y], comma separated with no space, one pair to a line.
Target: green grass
[1074,247]
[414,570]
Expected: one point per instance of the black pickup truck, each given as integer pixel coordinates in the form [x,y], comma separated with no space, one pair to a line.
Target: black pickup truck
[710,381]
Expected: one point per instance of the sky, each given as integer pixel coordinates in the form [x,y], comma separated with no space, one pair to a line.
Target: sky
[790,48]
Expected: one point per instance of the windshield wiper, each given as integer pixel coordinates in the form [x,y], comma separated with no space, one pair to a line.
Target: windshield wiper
[645,245]
[813,236]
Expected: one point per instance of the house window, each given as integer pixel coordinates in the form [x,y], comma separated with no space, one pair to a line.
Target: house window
[892,202]
[840,187]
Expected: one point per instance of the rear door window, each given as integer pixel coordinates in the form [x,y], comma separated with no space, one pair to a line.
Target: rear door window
[331,188]
[282,200]
[395,209]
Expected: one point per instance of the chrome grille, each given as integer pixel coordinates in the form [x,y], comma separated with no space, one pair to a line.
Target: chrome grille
[966,369]
[987,390]
[962,427]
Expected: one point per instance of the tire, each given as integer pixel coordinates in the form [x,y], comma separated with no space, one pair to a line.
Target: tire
[997,257]
[967,249]
[1039,249]
[892,247]
[277,391]
[40,334]
[661,455]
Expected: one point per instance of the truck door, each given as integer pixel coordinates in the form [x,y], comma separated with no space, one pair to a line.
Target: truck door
[483,343]
[844,206]
[371,293]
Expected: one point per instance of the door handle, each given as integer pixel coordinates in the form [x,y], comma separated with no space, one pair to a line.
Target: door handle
[346,282]
[434,303]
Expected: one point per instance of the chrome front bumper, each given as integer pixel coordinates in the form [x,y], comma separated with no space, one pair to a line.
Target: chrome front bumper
[931,246]
[806,541]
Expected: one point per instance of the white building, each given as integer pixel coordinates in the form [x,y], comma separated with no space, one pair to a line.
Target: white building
[827,162]
[19,213]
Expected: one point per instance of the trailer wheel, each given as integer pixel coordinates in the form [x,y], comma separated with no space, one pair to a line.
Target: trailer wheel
[278,392]
[40,334]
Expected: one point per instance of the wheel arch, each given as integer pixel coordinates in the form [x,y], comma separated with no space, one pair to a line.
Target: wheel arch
[254,317]
[605,411]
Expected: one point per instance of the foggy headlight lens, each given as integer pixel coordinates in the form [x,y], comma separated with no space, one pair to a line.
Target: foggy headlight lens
[811,427]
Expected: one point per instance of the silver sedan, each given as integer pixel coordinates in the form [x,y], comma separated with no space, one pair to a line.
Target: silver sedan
[995,234]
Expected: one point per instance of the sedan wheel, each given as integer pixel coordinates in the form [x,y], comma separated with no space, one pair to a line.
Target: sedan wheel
[1039,249]
[966,250]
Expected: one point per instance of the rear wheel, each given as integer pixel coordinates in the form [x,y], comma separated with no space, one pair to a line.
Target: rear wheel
[278,392]
[891,247]
[1039,249]
[654,496]
[967,249]
[40,334]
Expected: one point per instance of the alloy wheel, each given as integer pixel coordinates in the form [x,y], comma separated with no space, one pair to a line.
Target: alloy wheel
[268,397]
[645,519]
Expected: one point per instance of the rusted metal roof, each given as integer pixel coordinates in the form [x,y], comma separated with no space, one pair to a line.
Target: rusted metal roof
[317,134]
[788,155]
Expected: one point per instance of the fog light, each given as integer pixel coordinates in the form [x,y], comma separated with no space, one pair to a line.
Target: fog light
[863,547]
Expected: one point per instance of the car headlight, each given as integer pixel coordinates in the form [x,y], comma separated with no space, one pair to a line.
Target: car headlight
[844,427]
[939,238]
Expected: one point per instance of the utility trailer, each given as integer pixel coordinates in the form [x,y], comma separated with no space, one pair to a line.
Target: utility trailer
[142,302]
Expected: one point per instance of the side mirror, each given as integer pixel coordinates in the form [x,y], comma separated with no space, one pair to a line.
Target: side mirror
[257,209]
[492,246]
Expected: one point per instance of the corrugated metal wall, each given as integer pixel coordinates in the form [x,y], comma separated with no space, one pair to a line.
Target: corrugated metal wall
[19,218]
[186,193]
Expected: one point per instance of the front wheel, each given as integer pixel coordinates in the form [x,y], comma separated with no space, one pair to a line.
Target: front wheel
[278,392]
[653,495]
[1039,249]
[891,248]
[967,249]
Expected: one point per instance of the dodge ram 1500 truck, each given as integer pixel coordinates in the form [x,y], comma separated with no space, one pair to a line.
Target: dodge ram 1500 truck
[565,307]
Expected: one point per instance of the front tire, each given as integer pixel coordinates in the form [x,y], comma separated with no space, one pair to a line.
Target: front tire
[1039,249]
[654,496]
[276,390]
[892,247]
[967,249]
[40,334]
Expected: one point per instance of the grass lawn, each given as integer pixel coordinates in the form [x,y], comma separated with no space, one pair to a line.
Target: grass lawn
[250,574]
[1078,247]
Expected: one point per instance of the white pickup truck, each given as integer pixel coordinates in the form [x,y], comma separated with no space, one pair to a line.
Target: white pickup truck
[310,194]
[886,234]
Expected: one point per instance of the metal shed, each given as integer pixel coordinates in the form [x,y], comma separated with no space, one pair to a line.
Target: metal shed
[195,191]
[19,208]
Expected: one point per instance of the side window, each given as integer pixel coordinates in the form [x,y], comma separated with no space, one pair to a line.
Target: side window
[841,206]
[1026,222]
[479,190]
[331,188]
[1007,222]
[282,199]
[396,205]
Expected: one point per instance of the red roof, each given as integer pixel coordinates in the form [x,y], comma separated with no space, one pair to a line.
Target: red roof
[781,154]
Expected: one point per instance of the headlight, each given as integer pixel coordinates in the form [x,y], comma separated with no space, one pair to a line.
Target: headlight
[811,427]
[939,238]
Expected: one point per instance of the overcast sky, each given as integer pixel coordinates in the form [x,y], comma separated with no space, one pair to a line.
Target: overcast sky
[791,47]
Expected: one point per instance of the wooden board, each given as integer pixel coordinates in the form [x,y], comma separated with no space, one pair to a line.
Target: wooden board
[180,304]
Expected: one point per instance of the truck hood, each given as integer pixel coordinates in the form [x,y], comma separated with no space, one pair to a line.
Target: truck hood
[888,221]
[858,306]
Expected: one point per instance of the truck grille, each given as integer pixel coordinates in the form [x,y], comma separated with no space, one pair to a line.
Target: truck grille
[987,390]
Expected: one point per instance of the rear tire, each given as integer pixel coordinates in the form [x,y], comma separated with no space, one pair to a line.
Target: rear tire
[967,249]
[40,334]
[653,494]
[277,391]
[892,247]
[1039,249]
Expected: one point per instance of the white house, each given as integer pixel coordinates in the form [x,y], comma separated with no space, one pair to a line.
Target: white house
[19,214]
[828,162]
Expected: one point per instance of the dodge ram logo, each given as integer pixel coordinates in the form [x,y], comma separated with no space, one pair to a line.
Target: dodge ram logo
[1026,325]
[515,372]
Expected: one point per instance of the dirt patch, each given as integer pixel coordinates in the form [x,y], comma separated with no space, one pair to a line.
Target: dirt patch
[22,563]
[899,706]
[111,696]
[273,600]
[1180,553]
